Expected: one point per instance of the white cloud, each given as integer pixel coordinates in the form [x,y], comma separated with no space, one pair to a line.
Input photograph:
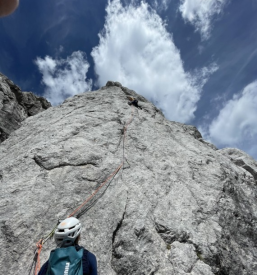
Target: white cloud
[136,50]
[160,4]
[64,77]
[200,13]
[201,76]
[236,124]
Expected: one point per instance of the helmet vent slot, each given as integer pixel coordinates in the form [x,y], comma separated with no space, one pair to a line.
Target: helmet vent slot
[72,234]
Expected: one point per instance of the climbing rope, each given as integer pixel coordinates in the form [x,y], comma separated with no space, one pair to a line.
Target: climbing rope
[96,191]
[113,174]
[39,249]
[33,262]
[95,199]
[36,260]
[124,132]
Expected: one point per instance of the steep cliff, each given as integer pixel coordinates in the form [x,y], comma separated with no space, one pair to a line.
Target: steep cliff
[15,106]
[178,205]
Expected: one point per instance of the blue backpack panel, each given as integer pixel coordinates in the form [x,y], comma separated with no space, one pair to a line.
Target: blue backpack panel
[65,261]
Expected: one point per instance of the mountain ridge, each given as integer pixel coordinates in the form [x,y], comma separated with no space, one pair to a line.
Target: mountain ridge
[16,106]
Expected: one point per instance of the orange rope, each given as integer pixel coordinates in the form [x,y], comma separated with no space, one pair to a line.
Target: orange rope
[39,248]
[88,199]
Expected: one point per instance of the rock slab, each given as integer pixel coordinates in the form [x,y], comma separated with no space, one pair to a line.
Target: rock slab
[179,206]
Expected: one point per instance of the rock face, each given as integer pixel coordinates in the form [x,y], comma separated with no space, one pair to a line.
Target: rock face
[179,206]
[15,106]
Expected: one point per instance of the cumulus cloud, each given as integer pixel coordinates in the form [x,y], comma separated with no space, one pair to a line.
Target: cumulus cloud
[136,50]
[236,124]
[200,13]
[64,77]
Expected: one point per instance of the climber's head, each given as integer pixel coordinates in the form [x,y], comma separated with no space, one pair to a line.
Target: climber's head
[68,230]
[8,6]
[130,98]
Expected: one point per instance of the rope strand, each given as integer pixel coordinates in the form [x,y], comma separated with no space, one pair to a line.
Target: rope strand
[43,240]
[39,248]
[112,175]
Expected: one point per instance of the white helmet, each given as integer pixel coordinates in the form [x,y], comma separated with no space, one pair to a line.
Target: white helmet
[68,229]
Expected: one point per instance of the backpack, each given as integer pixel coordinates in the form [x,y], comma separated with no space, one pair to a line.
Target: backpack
[65,261]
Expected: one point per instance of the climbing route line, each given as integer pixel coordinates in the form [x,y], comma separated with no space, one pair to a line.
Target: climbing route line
[80,210]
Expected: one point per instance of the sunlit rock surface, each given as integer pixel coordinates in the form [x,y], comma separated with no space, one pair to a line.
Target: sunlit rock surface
[179,206]
[15,106]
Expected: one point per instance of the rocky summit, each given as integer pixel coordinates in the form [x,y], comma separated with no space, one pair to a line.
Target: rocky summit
[177,206]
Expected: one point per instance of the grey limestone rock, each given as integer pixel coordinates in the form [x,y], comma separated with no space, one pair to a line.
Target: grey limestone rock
[242,159]
[15,106]
[177,207]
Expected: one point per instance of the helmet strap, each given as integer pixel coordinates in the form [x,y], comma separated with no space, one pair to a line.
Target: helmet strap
[66,242]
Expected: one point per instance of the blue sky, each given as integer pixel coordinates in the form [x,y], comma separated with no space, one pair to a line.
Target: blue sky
[194,59]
